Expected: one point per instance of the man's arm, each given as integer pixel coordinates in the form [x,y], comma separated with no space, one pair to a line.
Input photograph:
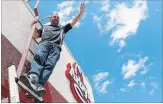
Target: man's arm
[37,33]
[76,19]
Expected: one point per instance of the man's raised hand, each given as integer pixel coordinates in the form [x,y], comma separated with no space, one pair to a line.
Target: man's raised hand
[82,8]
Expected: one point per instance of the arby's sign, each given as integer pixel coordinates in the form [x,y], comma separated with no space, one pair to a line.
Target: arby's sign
[77,86]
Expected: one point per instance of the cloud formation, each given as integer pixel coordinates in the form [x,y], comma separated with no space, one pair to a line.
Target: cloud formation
[101,82]
[122,21]
[130,69]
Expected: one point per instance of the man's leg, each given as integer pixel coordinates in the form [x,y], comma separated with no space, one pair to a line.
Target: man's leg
[52,59]
[40,58]
[37,65]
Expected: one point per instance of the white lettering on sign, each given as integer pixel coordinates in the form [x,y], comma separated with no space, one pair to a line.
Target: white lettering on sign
[79,90]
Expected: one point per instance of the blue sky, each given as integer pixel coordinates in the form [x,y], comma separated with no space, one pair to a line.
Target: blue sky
[118,45]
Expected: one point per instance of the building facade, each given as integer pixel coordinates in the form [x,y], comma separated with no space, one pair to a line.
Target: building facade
[67,83]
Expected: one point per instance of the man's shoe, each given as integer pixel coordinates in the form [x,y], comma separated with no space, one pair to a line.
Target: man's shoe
[40,89]
[25,79]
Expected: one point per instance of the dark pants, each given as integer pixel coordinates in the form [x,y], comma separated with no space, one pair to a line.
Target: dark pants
[45,59]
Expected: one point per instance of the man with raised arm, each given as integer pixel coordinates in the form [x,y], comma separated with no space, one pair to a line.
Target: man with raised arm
[47,52]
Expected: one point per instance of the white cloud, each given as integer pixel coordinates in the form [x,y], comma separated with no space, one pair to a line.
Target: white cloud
[144,71]
[86,2]
[97,20]
[100,82]
[65,4]
[84,15]
[122,20]
[67,10]
[105,6]
[103,88]
[151,92]
[125,20]
[142,84]
[129,70]
[122,89]
[121,44]
[154,87]
[100,22]
[131,84]
[100,76]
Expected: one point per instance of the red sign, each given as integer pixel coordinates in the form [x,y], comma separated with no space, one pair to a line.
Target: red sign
[77,86]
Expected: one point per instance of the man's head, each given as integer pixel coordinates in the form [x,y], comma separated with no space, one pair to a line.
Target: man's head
[54,19]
